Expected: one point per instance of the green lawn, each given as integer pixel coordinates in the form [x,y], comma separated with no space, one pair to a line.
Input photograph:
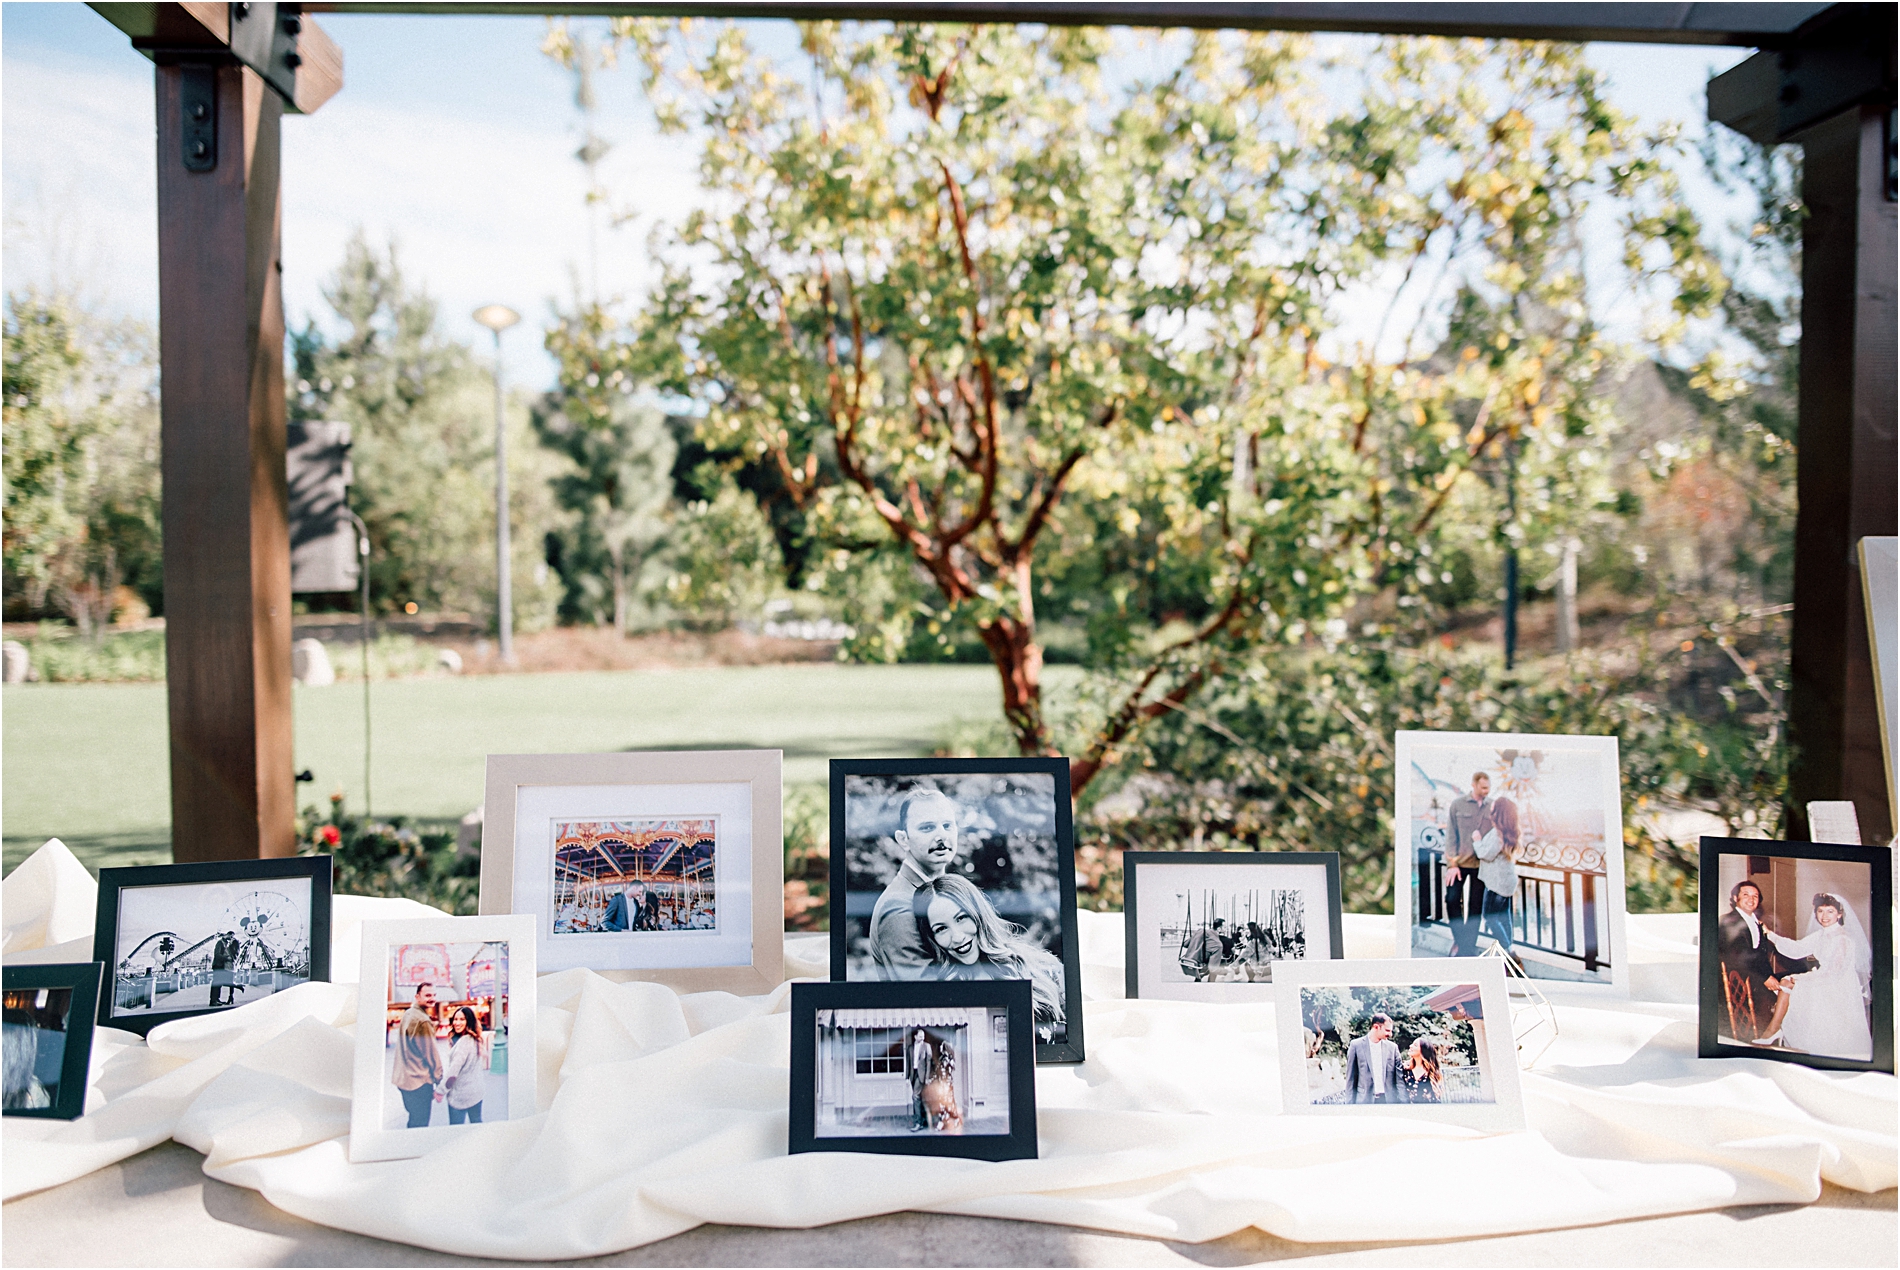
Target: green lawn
[87,762]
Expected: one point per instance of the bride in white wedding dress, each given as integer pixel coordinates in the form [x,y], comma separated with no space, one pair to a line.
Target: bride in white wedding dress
[1827,1014]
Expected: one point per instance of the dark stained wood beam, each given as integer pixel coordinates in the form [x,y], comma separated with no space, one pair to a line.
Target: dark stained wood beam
[289,51]
[227,539]
[1848,474]
[1766,25]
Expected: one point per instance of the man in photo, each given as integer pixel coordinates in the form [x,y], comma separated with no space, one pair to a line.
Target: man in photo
[1470,817]
[919,1077]
[418,1062]
[1746,952]
[1372,1064]
[927,835]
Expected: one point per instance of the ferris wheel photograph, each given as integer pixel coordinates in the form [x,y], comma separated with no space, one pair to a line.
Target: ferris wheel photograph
[209,945]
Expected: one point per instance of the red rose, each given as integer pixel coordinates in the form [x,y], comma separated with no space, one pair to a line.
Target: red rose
[331,835]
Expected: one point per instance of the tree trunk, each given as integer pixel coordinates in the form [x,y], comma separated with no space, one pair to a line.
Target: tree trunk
[1018,660]
[620,593]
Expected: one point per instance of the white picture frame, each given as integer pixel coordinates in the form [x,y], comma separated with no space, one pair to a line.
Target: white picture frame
[1444,993]
[561,831]
[499,989]
[1567,916]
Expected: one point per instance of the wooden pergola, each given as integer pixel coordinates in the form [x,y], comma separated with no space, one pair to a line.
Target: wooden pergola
[226,74]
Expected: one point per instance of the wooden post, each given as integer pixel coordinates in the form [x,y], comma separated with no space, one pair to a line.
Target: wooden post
[1847,474]
[227,548]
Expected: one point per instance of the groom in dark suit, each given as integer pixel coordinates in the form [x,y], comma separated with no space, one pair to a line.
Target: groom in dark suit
[1372,1064]
[1746,952]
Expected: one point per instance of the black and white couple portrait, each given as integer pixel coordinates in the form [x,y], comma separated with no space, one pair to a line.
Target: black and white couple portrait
[210,945]
[1234,936]
[1796,962]
[956,876]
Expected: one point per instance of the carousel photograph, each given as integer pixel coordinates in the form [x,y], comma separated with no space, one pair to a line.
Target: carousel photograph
[635,875]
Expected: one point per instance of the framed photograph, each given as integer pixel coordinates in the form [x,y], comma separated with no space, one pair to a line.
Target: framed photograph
[1512,841]
[915,1068]
[951,870]
[46,1038]
[1209,925]
[1402,1037]
[667,866]
[455,997]
[185,939]
[1796,953]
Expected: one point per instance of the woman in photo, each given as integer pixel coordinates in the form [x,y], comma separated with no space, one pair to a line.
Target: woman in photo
[468,1062]
[1497,869]
[1827,1011]
[22,1051]
[940,1095]
[968,940]
[1420,1074]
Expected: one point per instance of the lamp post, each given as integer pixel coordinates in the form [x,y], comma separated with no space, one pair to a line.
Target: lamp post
[498,318]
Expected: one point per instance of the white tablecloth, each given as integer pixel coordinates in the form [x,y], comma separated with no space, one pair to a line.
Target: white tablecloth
[660,1112]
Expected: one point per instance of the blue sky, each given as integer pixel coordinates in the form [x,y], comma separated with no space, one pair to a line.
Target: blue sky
[452,134]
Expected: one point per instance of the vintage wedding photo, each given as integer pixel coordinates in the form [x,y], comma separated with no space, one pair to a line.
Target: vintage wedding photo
[445,1029]
[914,1069]
[635,875]
[1793,950]
[208,945]
[1209,925]
[958,870]
[1513,843]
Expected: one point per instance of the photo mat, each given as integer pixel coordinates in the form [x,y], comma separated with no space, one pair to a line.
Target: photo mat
[46,1038]
[1402,1037]
[959,870]
[662,866]
[914,1069]
[456,997]
[1512,842]
[1210,925]
[179,940]
[1796,939]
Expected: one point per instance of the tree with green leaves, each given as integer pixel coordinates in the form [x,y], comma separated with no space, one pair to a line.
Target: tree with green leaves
[978,293]
[421,411]
[81,461]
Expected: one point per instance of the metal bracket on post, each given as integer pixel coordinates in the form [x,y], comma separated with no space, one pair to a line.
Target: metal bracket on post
[198,116]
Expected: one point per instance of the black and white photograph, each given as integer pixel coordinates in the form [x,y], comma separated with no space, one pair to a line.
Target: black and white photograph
[917,1068]
[455,997]
[1399,1037]
[46,1038]
[198,938]
[958,870]
[658,865]
[1210,925]
[1512,843]
[1791,934]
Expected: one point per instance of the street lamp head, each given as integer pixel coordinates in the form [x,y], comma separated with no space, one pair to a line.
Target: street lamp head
[497,317]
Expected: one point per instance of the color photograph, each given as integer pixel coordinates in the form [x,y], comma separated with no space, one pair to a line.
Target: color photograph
[209,945]
[1411,1044]
[635,875]
[1789,971]
[34,1034]
[956,871]
[1513,843]
[889,1073]
[445,1028]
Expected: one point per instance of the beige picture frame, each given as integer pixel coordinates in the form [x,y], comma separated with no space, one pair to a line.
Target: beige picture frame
[667,783]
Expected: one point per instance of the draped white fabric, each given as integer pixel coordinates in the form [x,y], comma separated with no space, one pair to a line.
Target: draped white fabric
[660,1112]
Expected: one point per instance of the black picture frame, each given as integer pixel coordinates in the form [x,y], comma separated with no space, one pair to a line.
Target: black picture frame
[1712,994]
[82,980]
[105,933]
[1071,1048]
[1132,862]
[1013,995]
